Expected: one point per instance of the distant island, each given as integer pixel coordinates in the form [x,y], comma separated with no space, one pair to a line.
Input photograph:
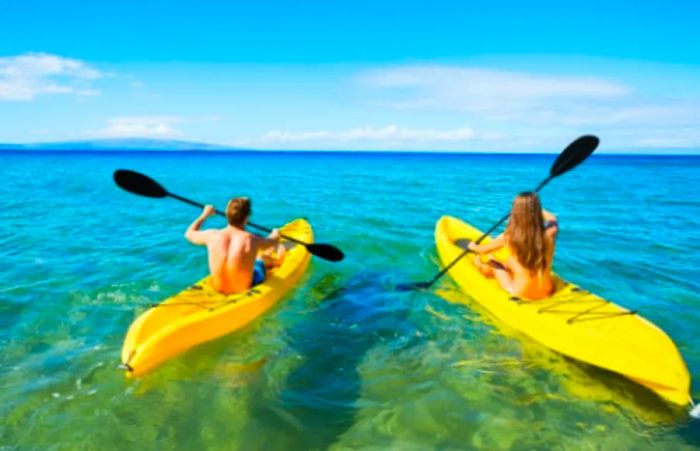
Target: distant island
[168,145]
[119,144]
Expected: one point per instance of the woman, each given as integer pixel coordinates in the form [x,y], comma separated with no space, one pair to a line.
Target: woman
[530,237]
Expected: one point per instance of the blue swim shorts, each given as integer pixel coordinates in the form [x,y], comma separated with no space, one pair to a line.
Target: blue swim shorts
[258,273]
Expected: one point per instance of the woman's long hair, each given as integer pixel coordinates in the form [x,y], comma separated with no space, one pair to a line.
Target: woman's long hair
[525,232]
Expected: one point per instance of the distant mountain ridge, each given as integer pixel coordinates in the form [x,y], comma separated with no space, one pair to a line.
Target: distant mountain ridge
[119,144]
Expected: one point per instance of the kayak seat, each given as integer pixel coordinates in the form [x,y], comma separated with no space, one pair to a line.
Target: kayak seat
[463,243]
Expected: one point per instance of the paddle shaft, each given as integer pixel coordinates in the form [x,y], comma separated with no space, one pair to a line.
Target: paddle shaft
[259,227]
[482,237]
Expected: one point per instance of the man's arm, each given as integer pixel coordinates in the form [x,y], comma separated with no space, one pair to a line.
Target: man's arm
[196,236]
[270,242]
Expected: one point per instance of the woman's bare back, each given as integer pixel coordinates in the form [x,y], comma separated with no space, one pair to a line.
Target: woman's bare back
[530,285]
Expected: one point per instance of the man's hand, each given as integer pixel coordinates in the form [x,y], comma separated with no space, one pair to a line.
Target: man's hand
[209,210]
[274,235]
[193,233]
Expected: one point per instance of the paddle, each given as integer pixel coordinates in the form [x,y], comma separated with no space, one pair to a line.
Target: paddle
[572,156]
[137,183]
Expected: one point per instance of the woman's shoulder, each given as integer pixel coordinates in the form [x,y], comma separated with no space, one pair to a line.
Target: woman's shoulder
[551,226]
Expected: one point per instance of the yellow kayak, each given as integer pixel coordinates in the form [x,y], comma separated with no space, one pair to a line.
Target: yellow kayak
[200,314]
[574,322]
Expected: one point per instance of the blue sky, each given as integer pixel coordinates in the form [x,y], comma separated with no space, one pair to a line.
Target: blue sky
[357,75]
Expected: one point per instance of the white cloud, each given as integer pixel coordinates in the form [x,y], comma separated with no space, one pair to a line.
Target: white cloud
[457,84]
[498,96]
[390,133]
[140,127]
[536,108]
[666,140]
[209,118]
[27,76]
[367,138]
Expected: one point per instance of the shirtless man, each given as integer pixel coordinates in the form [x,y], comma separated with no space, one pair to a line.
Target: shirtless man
[232,250]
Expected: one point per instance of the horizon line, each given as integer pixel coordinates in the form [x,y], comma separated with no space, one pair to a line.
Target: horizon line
[20,150]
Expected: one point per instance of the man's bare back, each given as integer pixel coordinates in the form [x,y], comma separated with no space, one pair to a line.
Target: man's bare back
[232,252]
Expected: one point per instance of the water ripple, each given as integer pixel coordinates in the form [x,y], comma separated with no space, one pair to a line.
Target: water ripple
[345,362]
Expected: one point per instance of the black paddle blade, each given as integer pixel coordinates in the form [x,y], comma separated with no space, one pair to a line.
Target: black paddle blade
[137,183]
[402,287]
[574,154]
[326,252]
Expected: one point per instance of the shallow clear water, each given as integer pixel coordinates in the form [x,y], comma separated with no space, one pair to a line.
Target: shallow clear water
[345,361]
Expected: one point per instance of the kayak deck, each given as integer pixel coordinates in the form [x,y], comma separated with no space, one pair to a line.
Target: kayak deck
[199,313]
[573,321]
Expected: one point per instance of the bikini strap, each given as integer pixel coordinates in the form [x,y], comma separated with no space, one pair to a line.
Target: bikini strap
[550,223]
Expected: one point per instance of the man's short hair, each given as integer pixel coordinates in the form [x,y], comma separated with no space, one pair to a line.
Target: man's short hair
[238,210]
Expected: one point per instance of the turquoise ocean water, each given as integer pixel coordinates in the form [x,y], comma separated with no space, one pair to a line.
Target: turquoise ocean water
[345,362]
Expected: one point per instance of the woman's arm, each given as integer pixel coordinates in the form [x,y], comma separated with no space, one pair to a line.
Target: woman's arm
[548,216]
[551,226]
[493,245]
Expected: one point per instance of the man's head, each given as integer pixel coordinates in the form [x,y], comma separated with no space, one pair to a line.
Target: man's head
[238,211]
